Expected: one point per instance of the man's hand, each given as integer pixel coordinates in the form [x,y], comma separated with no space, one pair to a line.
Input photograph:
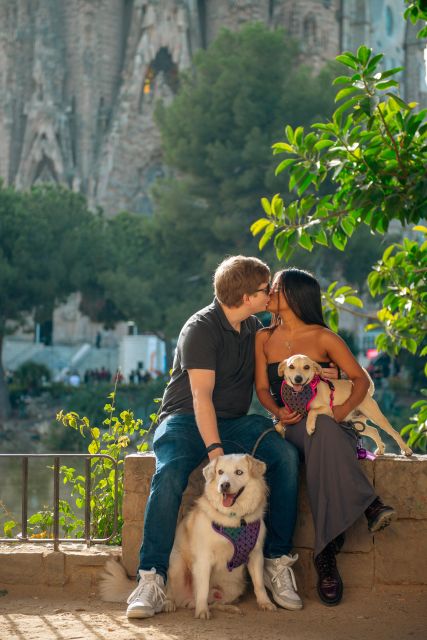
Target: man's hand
[340,412]
[288,417]
[331,372]
[215,453]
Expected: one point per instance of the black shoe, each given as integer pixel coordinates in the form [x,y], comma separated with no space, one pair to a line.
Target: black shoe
[329,585]
[379,515]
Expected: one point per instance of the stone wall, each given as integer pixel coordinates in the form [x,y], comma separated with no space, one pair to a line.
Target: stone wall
[73,570]
[397,555]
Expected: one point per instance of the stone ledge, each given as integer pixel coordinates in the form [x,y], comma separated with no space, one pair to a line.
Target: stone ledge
[396,556]
[74,568]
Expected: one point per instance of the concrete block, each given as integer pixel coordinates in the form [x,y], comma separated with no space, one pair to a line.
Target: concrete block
[131,544]
[134,504]
[19,566]
[357,537]
[139,468]
[400,553]
[54,565]
[357,569]
[402,483]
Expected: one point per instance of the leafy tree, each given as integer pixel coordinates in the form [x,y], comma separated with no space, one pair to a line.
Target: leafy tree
[48,245]
[374,152]
[217,131]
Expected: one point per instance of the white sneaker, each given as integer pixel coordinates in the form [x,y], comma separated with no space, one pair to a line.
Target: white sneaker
[148,597]
[279,579]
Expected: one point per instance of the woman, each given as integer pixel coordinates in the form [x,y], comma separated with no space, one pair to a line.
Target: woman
[338,490]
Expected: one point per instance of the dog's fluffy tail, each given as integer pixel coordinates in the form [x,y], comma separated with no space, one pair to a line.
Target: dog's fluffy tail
[114,585]
[371,389]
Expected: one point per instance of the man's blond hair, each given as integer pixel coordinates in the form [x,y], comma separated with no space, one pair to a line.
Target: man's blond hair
[238,275]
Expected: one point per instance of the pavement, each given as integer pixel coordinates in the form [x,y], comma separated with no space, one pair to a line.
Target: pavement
[394,613]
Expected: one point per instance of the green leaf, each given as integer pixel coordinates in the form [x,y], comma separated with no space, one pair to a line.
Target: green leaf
[305,241]
[363,54]
[339,241]
[266,205]
[355,301]
[345,59]
[399,101]
[345,92]
[259,225]
[322,238]
[386,85]
[282,166]
[267,235]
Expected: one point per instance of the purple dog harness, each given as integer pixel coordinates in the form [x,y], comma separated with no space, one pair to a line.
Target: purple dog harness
[300,401]
[242,538]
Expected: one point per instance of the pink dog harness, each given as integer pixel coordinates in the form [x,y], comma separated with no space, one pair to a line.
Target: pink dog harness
[300,401]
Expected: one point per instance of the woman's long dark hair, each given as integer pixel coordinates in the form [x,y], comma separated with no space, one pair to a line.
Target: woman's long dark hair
[302,293]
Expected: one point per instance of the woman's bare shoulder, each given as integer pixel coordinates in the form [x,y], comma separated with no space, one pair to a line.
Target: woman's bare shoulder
[263,334]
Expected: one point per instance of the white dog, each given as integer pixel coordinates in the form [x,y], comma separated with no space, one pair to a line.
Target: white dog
[302,373]
[222,533]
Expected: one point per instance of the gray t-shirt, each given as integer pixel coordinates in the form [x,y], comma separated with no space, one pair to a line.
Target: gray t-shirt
[208,341]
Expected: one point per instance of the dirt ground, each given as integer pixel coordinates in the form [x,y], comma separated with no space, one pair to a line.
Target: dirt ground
[394,614]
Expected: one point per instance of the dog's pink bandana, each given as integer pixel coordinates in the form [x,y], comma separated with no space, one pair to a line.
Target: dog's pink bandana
[300,401]
[242,538]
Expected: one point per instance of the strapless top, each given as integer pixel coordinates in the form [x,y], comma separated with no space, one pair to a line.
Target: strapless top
[276,380]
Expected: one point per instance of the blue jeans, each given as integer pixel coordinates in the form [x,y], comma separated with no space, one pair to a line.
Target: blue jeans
[179,449]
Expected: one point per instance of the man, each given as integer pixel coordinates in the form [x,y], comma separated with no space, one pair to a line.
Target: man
[204,413]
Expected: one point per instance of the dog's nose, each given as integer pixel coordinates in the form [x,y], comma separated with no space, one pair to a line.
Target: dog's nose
[225,486]
[298,379]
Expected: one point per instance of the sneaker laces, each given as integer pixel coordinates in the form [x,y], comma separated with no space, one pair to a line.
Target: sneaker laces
[285,577]
[149,589]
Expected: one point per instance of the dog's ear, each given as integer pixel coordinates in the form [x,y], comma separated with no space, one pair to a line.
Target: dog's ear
[281,368]
[256,467]
[317,368]
[210,470]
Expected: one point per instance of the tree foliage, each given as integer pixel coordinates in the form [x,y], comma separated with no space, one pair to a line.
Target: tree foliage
[48,249]
[374,152]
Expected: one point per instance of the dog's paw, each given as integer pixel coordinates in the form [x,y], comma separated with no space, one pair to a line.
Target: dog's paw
[267,606]
[311,428]
[169,606]
[379,451]
[407,451]
[203,614]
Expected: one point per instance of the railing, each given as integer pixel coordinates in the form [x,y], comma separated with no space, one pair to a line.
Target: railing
[56,474]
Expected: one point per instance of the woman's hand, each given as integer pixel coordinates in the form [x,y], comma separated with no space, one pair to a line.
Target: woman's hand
[331,372]
[287,417]
[340,412]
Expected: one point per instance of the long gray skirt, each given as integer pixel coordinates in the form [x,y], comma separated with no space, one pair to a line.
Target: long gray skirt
[338,490]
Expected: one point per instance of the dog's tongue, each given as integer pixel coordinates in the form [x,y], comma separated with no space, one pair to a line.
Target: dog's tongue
[228,499]
[298,387]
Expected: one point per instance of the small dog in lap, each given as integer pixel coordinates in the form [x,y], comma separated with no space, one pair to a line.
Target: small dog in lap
[300,373]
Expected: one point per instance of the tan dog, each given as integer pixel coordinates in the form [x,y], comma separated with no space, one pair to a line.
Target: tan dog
[235,495]
[299,371]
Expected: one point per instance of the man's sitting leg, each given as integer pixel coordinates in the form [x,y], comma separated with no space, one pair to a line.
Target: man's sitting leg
[282,462]
[179,449]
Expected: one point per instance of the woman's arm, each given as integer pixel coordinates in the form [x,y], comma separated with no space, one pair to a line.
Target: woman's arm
[339,353]
[262,385]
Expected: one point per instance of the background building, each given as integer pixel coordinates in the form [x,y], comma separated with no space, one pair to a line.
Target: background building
[79,79]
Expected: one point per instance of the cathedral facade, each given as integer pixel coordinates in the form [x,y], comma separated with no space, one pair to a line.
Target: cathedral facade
[79,79]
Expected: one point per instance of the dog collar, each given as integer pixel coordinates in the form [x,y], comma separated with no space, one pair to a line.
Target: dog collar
[300,401]
[242,538]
